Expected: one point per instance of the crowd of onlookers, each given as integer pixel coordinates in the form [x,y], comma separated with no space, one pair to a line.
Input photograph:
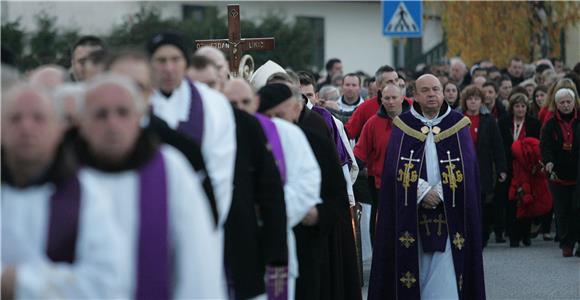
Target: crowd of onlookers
[526,128]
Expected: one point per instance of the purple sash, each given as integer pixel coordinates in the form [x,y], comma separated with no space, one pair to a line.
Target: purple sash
[340,148]
[153,271]
[193,127]
[64,221]
[274,142]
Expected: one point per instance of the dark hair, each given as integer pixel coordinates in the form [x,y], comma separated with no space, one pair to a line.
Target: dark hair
[515,58]
[352,75]
[331,62]
[88,40]
[576,69]
[541,68]
[504,78]
[518,94]
[306,78]
[469,91]
[492,84]
[384,69]
[200,62]
[534,107]
[98,56]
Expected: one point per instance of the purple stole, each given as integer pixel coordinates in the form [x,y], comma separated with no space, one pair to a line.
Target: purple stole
[402,223]
[274,143]
[343,156]
[64,221]
[193,127]
[153,268]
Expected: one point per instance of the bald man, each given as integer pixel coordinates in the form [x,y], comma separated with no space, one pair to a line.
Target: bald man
[220,61]
[428,238]
[48,76]
[58,234]
[241,95]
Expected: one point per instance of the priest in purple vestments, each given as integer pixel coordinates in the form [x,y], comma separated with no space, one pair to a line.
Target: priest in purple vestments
[428,234]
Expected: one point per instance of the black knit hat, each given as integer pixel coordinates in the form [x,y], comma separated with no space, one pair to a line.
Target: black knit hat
[272,95]
[170,38]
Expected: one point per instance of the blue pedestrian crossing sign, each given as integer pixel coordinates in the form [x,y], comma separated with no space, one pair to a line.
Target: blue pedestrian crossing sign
[402,18]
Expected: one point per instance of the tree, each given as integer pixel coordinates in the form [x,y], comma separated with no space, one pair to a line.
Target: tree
[501,30]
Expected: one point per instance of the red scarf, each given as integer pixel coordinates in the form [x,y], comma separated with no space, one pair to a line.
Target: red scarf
[474,126]
[567,128]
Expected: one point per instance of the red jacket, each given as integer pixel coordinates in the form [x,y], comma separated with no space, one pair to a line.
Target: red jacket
[362,114]
[529,185]
[372,145]
[544,115]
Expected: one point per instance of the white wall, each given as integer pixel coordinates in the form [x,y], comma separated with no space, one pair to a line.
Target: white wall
[572,45]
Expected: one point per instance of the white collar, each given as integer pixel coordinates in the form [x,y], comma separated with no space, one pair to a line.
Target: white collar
[429,122]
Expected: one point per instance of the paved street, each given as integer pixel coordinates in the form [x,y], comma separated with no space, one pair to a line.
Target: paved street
[536,272]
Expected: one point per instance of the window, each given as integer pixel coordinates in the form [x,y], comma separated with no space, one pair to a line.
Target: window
[317,54]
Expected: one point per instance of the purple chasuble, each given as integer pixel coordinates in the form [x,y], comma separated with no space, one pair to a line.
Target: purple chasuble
[340,148]
[401,224]
[274,141]
[153,270]
[193,127]
[64,221]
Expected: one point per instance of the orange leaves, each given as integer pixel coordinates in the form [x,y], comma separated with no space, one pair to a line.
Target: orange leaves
[494,30]
[486,30]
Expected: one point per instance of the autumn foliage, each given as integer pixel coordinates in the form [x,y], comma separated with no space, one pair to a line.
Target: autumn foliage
[495,30]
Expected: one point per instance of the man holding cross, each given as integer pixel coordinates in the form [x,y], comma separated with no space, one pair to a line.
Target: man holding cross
[428,234]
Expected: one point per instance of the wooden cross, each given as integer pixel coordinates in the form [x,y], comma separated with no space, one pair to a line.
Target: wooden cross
[458,241]
[408,280]
[451,177]
[439,221]
[426,222]
[407,239]
[234,45]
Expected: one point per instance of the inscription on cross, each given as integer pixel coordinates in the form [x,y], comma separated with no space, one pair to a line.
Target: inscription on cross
[235,45]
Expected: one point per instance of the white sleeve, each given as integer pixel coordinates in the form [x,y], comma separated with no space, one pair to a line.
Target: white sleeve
[423,188]
[349,190]
[219,146]
[302,188]
[99,260]
[197,247]
[345,141]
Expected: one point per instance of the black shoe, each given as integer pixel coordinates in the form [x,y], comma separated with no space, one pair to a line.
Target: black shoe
[527,242]
[514,244]
[500,240]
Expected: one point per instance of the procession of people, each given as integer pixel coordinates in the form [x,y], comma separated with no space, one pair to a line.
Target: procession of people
[161,173]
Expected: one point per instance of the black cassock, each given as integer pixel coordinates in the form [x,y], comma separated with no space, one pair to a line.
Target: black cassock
[326,252]
[255,229]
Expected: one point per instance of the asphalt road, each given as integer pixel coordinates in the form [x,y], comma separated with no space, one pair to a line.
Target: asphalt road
[536,272]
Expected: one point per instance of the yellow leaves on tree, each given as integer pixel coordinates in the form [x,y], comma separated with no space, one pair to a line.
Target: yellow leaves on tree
[500,30]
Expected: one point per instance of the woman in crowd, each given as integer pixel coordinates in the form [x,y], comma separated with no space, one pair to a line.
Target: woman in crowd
[517,125]
[490,154]
[560,155]
[549,107]
[451,94]
[537,100]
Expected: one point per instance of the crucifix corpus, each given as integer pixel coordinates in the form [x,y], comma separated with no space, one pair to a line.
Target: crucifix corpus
[234,45]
